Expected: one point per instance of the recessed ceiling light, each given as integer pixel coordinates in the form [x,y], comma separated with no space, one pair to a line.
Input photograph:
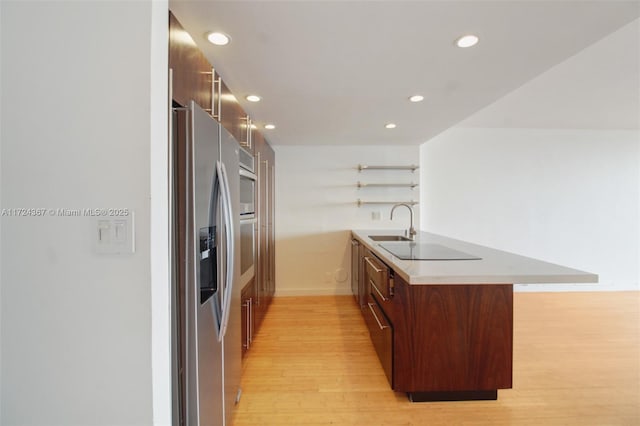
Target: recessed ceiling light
[219,39]
[390,126]
[253,126]
[269,126]
[253,98]
[416,98]
[467,40]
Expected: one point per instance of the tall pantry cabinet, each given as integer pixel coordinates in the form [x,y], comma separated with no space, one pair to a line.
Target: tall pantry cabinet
[265,271]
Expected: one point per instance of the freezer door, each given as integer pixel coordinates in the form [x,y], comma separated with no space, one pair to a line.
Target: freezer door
[208,234]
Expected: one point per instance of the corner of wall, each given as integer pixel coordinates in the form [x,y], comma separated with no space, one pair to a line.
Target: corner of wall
[160,256]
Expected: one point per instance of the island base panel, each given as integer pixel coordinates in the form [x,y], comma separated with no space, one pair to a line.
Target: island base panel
[482,395]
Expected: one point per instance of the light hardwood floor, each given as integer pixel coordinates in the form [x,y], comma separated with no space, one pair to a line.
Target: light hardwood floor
[576,362]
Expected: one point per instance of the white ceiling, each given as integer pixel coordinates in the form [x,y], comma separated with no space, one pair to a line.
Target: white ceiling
[598,88]
[334,72]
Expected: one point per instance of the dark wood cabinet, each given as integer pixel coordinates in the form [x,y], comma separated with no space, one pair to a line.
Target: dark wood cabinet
[378,309]
[270,219]
[191,73]
[454,337]
[257,142]
[256,301]
[265,271]
[439,342]
[193,77]
[378,278]
[381,333]
[232,116]
[357,277]
[248,314]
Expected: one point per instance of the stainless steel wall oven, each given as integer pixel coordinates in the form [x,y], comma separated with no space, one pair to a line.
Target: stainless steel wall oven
[248,222]
[248,181]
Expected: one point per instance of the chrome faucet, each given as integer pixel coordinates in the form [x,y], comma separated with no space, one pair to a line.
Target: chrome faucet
[412,230]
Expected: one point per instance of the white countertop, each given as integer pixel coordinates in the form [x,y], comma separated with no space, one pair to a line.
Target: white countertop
[494,267]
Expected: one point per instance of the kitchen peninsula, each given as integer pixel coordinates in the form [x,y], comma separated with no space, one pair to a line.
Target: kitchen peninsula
[440,310]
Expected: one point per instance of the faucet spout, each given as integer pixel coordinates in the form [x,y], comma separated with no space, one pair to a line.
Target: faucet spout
[412,231]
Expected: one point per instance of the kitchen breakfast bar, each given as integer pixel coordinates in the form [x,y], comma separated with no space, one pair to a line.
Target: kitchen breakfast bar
[440,310]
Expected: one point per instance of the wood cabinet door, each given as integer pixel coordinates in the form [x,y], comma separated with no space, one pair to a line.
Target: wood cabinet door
[192,76]
[258,143]
[271,230]
[381,332]
[248,326]
[452,337]
[262,268]
[232,117]
[265,271]
[355,270]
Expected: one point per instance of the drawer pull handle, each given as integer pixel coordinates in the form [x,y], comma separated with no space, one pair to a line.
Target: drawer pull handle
[375,287]
[382,327]
[378,270]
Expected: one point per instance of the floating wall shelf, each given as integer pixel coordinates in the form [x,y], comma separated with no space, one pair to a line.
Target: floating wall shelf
[362,203]
[386,185]
[412,167]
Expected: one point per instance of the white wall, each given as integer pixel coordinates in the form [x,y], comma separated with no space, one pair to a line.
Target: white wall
[76,326]
[159,205]
[566,196]
[552,169]
[316,208]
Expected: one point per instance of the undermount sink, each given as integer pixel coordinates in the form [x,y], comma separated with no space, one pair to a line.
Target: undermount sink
[389,238]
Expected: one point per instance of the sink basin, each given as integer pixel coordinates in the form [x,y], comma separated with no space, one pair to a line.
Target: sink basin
[388,238]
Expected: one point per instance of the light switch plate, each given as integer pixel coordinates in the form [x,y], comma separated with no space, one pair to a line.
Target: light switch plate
[114,235]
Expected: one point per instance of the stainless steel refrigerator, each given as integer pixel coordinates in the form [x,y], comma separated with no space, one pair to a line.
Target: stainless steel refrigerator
[205,270]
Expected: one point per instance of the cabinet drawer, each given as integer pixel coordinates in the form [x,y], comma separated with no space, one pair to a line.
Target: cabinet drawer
[381,332]
[377,274]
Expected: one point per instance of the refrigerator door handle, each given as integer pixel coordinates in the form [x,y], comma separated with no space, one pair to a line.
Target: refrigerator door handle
[227,214]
